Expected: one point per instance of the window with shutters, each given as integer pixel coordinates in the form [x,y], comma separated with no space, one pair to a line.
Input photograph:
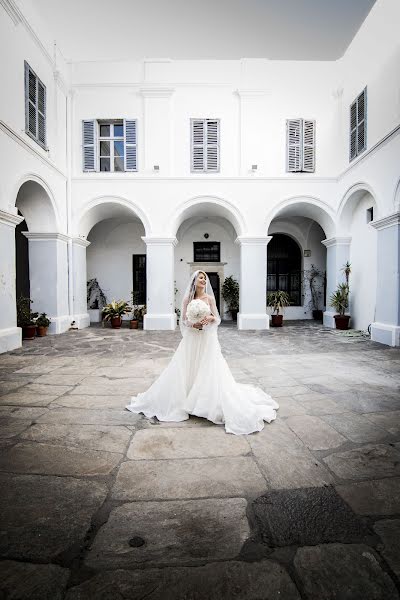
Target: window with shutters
[35,107]
[109,145]
[207,251]
[204,145]
[358,125]
[300,146]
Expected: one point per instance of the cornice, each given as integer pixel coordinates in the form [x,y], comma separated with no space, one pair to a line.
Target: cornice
[388,221]
[252,93]
[159,241]
[156,92]
[10,219]
[253,241]
[336,241]
[12,10]
[46,237]
[80,242]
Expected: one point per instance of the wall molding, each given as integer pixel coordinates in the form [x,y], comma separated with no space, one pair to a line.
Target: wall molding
[336,241]
[388,221]
[10,219]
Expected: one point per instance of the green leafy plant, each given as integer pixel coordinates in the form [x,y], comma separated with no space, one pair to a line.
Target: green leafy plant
[278,301]
[43,320]
[230,292]
[116,308]
[339,300]
[25,316]
[135,305]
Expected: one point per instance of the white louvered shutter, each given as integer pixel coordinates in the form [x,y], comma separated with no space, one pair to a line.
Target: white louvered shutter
[41,112]
[308,146]
[89,144]
[197,139]
[212,140]
[30,101]
[130,133]
[293,145]
[361,122]
[353,130]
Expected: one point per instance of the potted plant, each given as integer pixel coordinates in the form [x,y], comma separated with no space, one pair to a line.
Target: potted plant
[340,300]
[142,312]
[113,312]
[96,300]
[316,280]
[277,300]
[42,325]
[26,318]
[134,322]
[230,293]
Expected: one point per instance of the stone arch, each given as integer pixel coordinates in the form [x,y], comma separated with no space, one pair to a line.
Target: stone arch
[107,207]
[304,206]
[348,203]
[208,206]
[35,200]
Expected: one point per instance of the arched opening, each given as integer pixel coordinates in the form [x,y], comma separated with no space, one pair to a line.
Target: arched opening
[206,233]
[284,267]
[22,280]
[116,256]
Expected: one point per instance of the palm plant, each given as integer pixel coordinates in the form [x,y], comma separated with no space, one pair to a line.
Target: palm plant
[116,308]
[278,300]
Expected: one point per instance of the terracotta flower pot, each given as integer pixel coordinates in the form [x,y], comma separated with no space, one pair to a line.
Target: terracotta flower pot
[28,332]
[276,320]
[342,321]
[133,324]
[41,331]
[116,322]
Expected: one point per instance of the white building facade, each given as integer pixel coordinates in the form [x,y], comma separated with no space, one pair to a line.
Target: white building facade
[137,173]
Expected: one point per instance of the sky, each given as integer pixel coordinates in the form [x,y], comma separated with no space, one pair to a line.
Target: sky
[210,29]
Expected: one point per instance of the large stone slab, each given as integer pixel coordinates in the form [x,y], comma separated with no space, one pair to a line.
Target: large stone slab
[24,397]
[319,406]
[364,402]
[342,572]
[93,402]
[367,462]
[381,497]
[52,390]
[177,531]
[389,532]
[12,427]
[25,581]
[22,412]
[69,379]
[9,386]
[103,386]
[94,437]
[305,517]
[156,444]
[230,580]
[289,407]
[45,515]
[356,427]
[390,421]
[46,459]
[285,461]
[188,478]
[81,416]
[315,433]
[283,390]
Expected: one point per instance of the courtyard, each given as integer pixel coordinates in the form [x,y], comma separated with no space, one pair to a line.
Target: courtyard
[100,503]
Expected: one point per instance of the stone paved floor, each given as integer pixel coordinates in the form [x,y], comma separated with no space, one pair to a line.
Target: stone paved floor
[308,508]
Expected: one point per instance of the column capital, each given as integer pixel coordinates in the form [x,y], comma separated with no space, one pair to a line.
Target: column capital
[45,237]
[388,221]
[253,241]
[81,242]
[336,241]
[159,241]
[10,219]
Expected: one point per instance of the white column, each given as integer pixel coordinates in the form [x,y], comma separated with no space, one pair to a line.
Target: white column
[253,283]
[386,328]
[48,275]
[337,254]
[81,316]
[160,283]
[10,334]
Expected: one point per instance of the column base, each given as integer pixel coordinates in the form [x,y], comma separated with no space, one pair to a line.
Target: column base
[60,324]
[80,321]
[252,321]
[10,339]
[159,322]
[328,320]
[385,334]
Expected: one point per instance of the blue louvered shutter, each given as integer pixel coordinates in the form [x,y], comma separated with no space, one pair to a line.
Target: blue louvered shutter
[197,143]
[353,130]
[89,130]
[308,146]
[293,145]
[358,125]
[130,133]
[212,145]
[35,106]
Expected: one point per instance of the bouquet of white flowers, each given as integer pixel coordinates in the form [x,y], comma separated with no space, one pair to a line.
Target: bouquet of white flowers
[196,311]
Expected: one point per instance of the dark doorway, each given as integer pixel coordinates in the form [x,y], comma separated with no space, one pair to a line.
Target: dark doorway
[22,284]
[284,267]
[139,276]
[214,280]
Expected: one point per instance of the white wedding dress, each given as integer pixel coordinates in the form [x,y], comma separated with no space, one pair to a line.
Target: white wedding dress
[198,382]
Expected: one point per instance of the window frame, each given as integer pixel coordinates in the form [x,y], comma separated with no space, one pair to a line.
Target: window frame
[196,246]
[205,145]
[111,138]
[27,70]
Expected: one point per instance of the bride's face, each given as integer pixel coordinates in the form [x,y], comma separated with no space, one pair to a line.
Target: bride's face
[201,282]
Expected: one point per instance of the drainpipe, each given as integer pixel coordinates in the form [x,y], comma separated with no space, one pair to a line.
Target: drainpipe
[69,122]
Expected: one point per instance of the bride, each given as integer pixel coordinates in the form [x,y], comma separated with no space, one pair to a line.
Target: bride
[198,380]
